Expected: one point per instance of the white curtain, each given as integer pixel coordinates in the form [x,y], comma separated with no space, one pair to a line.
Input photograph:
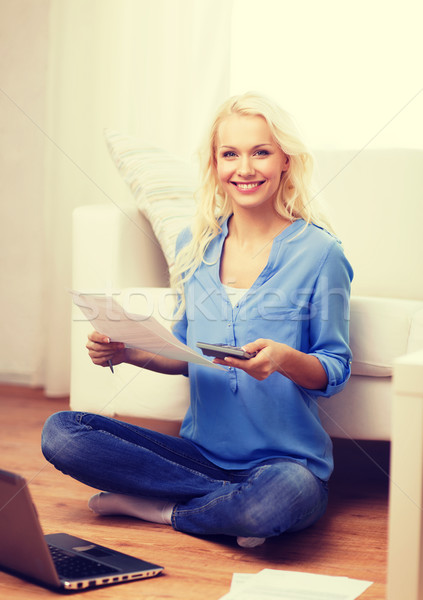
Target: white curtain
[152,68]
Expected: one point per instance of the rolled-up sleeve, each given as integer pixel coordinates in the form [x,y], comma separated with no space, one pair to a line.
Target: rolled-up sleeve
[330,319]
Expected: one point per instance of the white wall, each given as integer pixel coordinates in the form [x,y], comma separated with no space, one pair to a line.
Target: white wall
[349,72]
[23,72]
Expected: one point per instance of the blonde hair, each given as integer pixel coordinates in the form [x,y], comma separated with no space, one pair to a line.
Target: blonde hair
[292,201]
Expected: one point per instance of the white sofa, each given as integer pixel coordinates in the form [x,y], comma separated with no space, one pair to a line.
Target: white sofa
[375,201]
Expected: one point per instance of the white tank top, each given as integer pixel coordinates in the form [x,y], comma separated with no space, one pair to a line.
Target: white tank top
[234,294]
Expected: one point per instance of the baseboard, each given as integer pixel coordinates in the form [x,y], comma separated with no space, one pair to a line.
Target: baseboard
[24,379]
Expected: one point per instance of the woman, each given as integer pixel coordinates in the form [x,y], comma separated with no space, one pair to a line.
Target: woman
[260,271]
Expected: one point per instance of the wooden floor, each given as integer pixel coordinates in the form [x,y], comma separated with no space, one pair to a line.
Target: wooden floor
[351,540]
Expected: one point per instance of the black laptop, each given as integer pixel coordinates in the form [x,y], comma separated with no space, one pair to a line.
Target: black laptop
[57,560]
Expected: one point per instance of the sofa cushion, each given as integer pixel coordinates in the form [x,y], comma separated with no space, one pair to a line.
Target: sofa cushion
[381,329]
[162,185]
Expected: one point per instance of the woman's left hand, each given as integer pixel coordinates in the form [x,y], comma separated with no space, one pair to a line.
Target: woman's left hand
[269,358]
[303,369]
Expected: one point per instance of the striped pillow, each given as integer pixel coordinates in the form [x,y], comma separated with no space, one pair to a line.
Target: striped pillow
[163,186]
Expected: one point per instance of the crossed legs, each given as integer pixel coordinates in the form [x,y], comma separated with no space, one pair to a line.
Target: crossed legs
[171,477]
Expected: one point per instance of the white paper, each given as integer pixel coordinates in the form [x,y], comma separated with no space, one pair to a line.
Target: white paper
[239,579]
[288,585]
[136,331]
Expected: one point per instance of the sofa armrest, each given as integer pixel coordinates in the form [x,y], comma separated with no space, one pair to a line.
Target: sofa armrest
[130,390]
[115,248]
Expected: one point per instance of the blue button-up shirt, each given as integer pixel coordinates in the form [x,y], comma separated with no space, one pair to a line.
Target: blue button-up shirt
[301,298]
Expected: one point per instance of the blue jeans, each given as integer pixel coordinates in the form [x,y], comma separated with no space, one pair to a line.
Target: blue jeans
[275,496]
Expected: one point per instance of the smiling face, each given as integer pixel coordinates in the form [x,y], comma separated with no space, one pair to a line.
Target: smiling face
[249,162]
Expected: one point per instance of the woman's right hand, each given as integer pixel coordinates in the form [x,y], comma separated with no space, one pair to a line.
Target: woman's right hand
[101,350]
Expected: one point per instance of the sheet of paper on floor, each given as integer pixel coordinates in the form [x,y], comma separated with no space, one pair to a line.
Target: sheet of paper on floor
[271,584]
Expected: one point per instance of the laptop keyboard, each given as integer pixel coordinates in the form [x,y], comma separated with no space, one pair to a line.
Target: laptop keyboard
[72,566]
